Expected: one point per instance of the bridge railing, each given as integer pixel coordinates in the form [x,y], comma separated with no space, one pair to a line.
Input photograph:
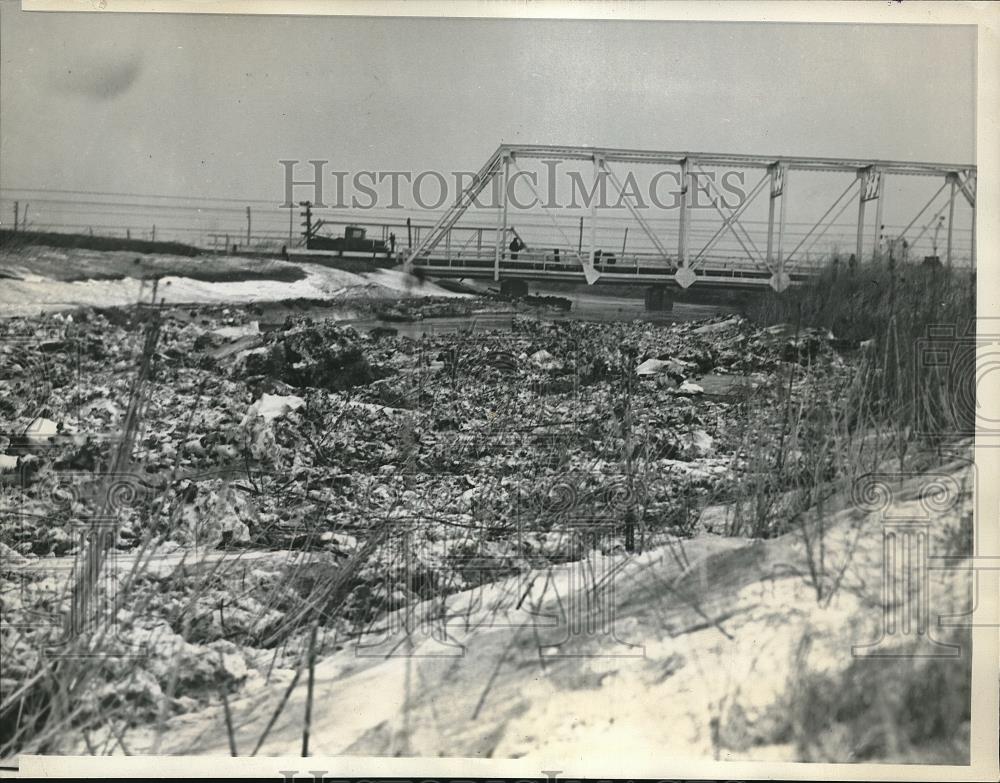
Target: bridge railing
[560,261]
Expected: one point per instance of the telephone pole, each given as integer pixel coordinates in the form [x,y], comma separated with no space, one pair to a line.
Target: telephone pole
[248,227]
[17,208]
[307,223]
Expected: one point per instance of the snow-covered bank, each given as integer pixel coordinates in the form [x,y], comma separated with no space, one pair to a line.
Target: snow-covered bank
[416,474]
[723,642]
[33,294]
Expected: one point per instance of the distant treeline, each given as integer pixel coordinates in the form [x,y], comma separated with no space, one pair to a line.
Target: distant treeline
[10,239]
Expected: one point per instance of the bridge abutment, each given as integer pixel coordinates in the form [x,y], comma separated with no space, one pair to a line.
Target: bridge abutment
[513,287]
[658,298]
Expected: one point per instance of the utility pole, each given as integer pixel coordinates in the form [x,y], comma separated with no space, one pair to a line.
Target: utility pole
[307,223]
[248,226]
[937,229]
[951,218]
[24,218]
[17,207]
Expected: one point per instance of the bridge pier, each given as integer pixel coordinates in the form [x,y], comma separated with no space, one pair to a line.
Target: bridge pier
[513,287]
[657,298]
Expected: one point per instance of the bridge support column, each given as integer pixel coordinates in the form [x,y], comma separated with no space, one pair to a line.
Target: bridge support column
[513,287]
[658,299]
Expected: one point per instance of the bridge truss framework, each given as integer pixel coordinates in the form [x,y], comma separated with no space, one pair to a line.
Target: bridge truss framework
[867,186]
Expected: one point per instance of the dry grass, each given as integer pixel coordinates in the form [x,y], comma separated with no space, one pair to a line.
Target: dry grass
[894,710]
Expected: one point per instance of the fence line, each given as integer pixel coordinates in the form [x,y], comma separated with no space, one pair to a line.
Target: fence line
[207,224]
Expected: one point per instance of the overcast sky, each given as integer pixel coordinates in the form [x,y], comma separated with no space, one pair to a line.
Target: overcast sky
[206,105]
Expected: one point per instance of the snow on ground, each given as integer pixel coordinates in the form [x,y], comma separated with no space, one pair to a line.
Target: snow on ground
[33,294]
[718,645]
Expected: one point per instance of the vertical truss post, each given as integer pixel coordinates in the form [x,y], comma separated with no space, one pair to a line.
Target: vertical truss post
[966,182]
[779,187]
[682,234]
[684,276]
[861,216]
[781,221]
[951,217]
[593,209]
[870,189]
[775,193]
[501,218]
[973,259]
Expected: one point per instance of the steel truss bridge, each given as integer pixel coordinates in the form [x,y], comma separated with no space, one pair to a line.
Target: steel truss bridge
[775,264]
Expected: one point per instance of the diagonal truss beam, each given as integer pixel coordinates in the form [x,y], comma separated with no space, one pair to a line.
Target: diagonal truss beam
[730,222]
[588,268]
[922,210]
[727,223]
[828,226]
[933,220]
[850,186]
[465,199]
[639,219]
[966,181]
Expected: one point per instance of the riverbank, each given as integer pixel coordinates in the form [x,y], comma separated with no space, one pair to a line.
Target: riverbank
[37,279]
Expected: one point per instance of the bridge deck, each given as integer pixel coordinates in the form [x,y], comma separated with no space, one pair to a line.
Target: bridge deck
[631,269]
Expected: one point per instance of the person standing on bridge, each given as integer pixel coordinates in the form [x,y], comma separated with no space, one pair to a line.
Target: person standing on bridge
[516,246]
